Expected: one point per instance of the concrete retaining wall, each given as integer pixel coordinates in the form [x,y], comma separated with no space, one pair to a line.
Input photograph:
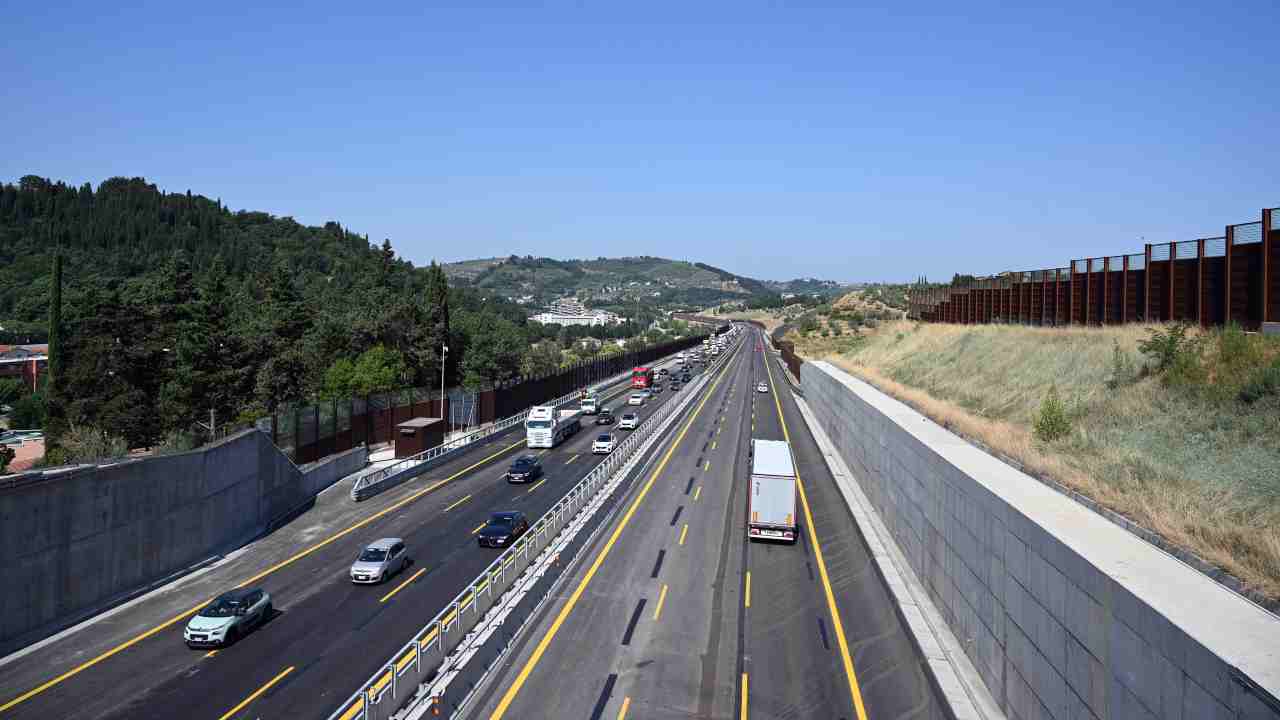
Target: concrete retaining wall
[1065,614]
[76,540]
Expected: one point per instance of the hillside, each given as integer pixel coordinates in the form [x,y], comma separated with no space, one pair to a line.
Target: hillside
[1176,440]
[173,306]
[604,282]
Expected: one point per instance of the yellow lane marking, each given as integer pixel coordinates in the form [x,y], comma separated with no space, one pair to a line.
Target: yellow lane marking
[255,578]
[401,586]
[510,695]
[743,714]
[479,528]
[718,430]
[543,452]
[713,444]
[535,486]
[854,690]
[456,504]
[662,598]
[575,457]
[354,710]
[626,703]
[683,532]
[696,493]
[706,467]
[747,602]
[256,694]
[211,653]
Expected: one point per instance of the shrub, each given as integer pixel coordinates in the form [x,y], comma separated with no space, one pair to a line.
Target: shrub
[1122,369]
[1164,347]
[1239,358]
[1052,422]
[85,444]
[1263,383]
[29,413]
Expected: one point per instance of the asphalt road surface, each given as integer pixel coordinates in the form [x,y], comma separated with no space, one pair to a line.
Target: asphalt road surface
[672,613]
[326,635]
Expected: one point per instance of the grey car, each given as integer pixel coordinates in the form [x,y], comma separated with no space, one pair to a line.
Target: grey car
[379,560]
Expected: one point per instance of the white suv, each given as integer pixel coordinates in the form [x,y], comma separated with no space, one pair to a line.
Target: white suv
[629,422]
[635,399]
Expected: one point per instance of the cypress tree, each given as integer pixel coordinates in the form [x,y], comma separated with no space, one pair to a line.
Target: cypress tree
[53,381]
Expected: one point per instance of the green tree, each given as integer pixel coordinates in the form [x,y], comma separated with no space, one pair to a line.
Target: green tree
[542,359]
[493,352]
[53,380]
[282,378]
[28,413]
[11,389]
[437,320]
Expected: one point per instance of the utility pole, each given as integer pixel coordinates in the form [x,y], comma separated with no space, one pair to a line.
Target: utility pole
[444,354]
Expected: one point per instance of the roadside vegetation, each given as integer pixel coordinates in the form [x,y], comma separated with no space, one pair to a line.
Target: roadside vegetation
[178,319]
[1177,429]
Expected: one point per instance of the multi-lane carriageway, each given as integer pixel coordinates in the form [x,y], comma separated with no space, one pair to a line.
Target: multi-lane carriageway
[668,613]
[672,613]
[326,635]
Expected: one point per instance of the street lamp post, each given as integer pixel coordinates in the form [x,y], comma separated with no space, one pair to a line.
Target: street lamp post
[444,353]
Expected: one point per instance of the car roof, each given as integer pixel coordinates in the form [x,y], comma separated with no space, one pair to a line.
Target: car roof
[383,543]
[505,515]
[605,436]
[527,458]
[237,594]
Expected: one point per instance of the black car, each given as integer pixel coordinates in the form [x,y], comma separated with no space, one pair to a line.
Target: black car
[675,386]
[662,371]
[604,417]
[503,529]
[685,377]
[526,468]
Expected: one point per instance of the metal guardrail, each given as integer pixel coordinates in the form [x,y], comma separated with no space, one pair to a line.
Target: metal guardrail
[422,657]
[377,481]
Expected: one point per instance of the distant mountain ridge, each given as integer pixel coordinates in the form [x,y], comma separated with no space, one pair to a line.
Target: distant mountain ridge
[617,281]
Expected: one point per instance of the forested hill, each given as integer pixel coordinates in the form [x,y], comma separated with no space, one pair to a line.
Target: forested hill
[174,305]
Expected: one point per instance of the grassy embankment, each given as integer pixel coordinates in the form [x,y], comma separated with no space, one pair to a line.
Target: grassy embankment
[1188,448]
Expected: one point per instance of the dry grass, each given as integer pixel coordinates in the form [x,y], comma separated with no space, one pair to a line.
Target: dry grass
[1203,474]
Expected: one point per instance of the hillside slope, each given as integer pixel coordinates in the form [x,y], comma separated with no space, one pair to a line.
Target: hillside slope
[605,281]
[1188,452]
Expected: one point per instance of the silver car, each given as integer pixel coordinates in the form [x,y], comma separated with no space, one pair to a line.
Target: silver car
[379,561]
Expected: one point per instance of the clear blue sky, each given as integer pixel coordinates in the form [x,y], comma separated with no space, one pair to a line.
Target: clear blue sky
[847,142]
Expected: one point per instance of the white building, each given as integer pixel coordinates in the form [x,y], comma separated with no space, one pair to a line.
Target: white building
[597,317]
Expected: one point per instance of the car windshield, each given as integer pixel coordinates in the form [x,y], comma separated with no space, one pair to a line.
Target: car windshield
[605,438]
[222,607]
[524,463]
[502,519]
[373,555]
[539,424]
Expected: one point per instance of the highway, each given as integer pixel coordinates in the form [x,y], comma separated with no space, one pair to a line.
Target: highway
[326,635]
[672,613]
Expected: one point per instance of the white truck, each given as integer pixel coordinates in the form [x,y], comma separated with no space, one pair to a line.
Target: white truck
[546,426]
[771,497]
[590,405]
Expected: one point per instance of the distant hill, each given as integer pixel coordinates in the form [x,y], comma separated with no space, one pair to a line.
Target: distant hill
[605,282]
[809,286]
